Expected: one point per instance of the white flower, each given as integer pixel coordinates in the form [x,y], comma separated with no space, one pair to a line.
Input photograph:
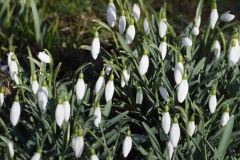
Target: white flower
[74,137]
[225,117]
[126,74]
[217,48]
[195,31]
[1,97]
[191,126]
[9,59]
[183,89]
[95,48]
[212,103]
[15,111]
[109,68]
[94,157]
[44,57]
[100,82]
[80,87]
[143,64]
[162,135]
[226,17]
[127,144]
[162,25]
[42,96]
[233,54]
[10,148]
[164,93]
[130,34]
[36,156]
[122,24]
[13,67]
[214,15]
[111,14]
[170,149]
[186,42]
[178,72]
[109,89]
[136,11]
[15,78]
[59,113]
[67,108]
[78,146]
[146,26]
[97,113]
[163,48]
[174,132]
[166,120]
[35,85]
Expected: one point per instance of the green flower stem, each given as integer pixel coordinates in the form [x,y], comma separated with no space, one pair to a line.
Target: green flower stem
[207,33]
[223,39]
[45,136]
[193,45]
[186,125]
[108,151]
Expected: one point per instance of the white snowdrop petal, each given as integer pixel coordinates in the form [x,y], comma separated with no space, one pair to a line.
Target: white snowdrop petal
[178,72]
[127,146]
[143,65]
[108,69]
[9,59]
[163,49]
[174,134]
[44,57]
[136,11]
[213,18]
[170,149]
[74,137]
[111,14]
[36,156]
[1,99]
[122,24]
[162,28]
[42,97]
[13,69]
[191,128]
[95,48]
[80,89]
[164,93]
[186,42]
[182,90]
[130,34]
[227,17]
[94,157]
[195,31]
[10,148]
[233,56]
[126,74]
[15,78]
[78,146]
[217,49]
[146,26]
[212,103]
[99,84]
[35,87]
[97,113]
[15,113]
[109,90]
[224,118]
[67,110]
[59,114]
[166,122]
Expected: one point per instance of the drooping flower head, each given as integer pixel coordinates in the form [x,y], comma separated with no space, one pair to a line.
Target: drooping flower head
[166,120]
[109,68]
[13,67]
[162,25]
[59,113]
[80,87]
[125,75]
[15,111]
[146,26]
[191,126]
[216,48]
[44,57]
[79,144]
[214,15]
[109,89]
[97,113]
[10,58]
[164,93]
[212,103]
[67,108]
[226,17]
[186,41]
[163,48]
[183,89]
[42,96]
[233,56]
[37,155]
[136,11]
[122,22]
[95,48]
[111,14]
[35,85]
[178,70]
[130,34]
[1,96]
[144,63]
[225,116]
[127,144]
[93,154]
[100,82]
[175,132]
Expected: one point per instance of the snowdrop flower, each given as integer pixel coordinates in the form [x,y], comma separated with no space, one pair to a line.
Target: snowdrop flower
[13,67]
[10,148]
[79,144]
[95,48]
[126,74]
[195,31]
[111,14]
[59,113]
[109,68]
[109,89]
[170,150]
[178,70]
[97,113]
[216,48]
[162,25]
[44,57]
[164,93]
[186,42]
[80,87]
[197,21]
[166,120]
[214,15]
[162,135]
[100,82]
[226,17]
[9,59]
[212,103]
[144,63]
[146,26]
[127,144]
[191,126]
[163,49]
[93,155]
[225,117]
[16,78]
[233,54]
[122,23]
[42,96]
[15,111]
[130,34]
[174,132]
[136,11]
[37,155]
[183,89]
[74,137]
[35,85]
[67,108]
[1,97]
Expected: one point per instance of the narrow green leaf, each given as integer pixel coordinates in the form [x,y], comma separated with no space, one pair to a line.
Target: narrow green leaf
[116,119]
[123,43]
[32,66]
[103,24]
[37,24]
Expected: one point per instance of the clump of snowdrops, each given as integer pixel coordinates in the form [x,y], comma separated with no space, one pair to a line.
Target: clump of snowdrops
[159,95]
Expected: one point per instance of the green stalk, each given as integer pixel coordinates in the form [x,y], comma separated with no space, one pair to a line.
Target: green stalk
[206,35]
[187,136]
